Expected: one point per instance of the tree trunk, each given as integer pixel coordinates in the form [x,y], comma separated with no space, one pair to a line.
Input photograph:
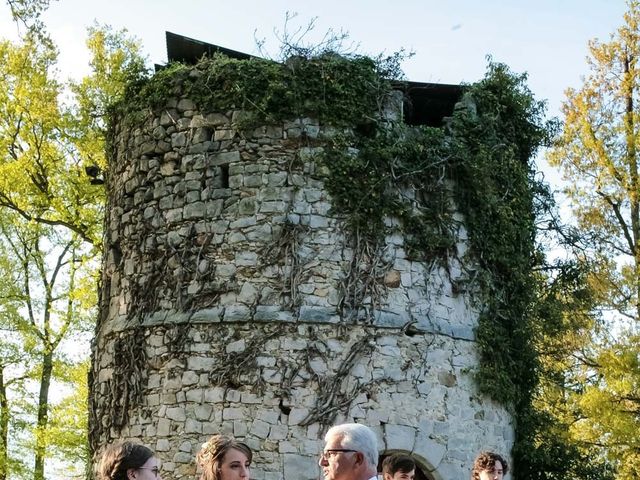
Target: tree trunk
[629,85]
[43,416]
[4,427]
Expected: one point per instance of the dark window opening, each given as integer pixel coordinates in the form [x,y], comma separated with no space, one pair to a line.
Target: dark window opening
[428,103]
[224,176]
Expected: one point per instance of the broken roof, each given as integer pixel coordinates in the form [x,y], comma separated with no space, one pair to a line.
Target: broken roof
[425,103]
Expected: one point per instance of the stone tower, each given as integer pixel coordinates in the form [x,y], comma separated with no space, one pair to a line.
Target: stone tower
[225,299]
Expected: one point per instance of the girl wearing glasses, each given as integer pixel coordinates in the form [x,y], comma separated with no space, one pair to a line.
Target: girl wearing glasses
[224,458]
[128,461]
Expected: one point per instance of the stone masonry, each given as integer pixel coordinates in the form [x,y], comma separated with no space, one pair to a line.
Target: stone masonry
[223,309]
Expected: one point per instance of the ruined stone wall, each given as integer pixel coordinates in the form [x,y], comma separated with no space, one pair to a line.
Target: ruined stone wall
[226,305]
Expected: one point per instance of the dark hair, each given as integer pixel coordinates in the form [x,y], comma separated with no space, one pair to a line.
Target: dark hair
[119,457]
[486,461]
[212,454]
[398,463]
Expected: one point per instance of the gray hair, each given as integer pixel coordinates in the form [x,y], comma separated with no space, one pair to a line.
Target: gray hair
[356,436]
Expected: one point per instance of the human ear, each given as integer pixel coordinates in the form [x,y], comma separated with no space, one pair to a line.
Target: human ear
[131,473]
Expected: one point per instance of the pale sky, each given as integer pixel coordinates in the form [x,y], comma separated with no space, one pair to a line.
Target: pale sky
[450,38]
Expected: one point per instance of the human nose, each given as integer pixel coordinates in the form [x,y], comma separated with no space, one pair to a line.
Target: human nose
[244,473]
[323,460]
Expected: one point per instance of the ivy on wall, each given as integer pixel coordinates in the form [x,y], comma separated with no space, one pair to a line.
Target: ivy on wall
[479,163]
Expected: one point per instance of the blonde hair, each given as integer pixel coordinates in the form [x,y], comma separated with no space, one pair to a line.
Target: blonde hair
[212,454]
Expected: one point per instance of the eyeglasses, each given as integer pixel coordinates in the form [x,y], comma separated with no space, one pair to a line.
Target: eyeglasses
[332,451]
[155,470]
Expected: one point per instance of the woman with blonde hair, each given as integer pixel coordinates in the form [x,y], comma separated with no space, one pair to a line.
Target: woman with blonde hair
[222,457]
[128,461]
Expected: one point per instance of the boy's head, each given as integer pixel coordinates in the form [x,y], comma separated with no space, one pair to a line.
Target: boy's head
[398,467]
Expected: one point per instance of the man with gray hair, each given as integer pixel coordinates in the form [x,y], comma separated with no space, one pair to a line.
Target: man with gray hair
[350,453]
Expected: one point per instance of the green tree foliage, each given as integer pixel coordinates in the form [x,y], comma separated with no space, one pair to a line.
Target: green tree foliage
[53,275]
[50,232]
[598,154]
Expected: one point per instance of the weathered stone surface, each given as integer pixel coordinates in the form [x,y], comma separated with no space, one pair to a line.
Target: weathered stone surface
[225,260]
[296,466]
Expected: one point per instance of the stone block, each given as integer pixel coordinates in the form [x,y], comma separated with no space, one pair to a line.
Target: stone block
[163,445]
[225,270]
[260,429]
[240,428]
[247,206]
[447,379]
[265,361]
[185,104]
[217,119]
[268,313]
[300,467]
[214,209]
[318,221]
[201,135]
[400,437]
[214,395]
[390,319]
[179,139]
[253,180]
[277,179]
[176,413]
[237,346]
[224,158]
[392,279]
[248,294]
[246,258]
[199,364]
[250,398]
[192,426]
[208,315]
[294,344]
[243,222]
[272,417]
[190,378]
[237,313]
[163,427]
[276,206]
[183,457]
[287,447]
[231,413]
[233,396]
[174,215]
[297,415]
[278,432]
[318,314]
[195,395]
[269,193]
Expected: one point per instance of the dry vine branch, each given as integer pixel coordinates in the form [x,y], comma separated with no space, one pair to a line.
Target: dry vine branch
[362,280]
[233,366]
[331,398]
[285,250]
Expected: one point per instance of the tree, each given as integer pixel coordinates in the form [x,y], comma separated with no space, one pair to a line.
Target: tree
[598,154]
[48,271]
[50,228]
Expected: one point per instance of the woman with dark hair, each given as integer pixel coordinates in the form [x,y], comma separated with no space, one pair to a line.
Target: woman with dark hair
[128,461]
[224,458]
